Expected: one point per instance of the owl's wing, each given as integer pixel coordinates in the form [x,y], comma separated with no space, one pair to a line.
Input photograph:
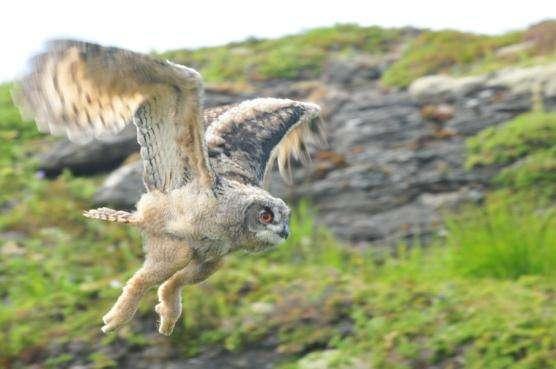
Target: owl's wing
[245,140]
[211,114]
[87,91]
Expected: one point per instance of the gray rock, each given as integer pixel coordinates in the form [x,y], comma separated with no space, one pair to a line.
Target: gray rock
[353,71]
[525,80]
[167,358]
[328,359]
[518,81]
[93,157]
[123,187]
[438,88]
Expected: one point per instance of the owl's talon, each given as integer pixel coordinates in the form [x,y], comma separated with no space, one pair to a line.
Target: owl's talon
[166,326]
[116,318]
[114,324]
[168,318]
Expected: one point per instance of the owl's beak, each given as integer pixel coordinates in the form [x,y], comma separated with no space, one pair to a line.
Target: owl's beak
[284,232]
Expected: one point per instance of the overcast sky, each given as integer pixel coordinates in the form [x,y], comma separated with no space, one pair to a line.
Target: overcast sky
[161,25]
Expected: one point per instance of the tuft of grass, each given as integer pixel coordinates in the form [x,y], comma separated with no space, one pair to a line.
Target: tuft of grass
[508,237]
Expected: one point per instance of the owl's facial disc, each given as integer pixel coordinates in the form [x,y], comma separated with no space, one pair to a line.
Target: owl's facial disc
[270,223]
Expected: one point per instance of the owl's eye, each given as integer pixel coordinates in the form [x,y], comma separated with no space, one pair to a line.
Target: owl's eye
[266,216]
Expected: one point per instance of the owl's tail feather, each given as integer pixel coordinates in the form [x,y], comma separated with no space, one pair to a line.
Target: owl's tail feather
[111,215]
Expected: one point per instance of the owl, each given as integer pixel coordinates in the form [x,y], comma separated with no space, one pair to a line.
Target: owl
[203,169]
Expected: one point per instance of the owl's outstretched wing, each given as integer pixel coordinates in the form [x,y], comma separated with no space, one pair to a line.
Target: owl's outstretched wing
[87,91]
[245,140]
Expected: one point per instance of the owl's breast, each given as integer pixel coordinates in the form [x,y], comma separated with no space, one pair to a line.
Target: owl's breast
[207,249]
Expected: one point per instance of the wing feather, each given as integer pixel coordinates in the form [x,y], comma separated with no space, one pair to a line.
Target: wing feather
[247,139]
[85,91]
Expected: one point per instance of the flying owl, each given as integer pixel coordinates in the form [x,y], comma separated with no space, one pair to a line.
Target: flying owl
[203,169]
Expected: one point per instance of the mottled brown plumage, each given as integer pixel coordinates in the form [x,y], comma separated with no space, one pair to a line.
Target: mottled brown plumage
[202,169]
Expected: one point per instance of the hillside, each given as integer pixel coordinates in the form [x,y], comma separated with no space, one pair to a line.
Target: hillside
[413,53]
[461,162]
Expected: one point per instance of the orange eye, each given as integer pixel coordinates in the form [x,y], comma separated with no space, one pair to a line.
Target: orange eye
[266,216]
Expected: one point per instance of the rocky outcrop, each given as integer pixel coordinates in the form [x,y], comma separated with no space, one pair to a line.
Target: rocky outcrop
[395,159]
[95,157]
[123,187]
[539,80]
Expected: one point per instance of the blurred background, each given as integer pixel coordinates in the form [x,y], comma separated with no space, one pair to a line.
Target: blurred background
[424,233]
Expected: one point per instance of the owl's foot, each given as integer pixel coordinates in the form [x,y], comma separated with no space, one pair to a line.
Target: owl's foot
[117,317]
[169,315]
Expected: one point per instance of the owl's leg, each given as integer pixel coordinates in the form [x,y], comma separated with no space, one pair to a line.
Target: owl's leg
[169,293]
[160,263]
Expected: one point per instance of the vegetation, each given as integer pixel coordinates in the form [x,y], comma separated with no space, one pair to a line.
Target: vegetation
[428,52]
[460,53]
[511,236]
[444,52]
[535,171]
[482,296]
[290,57]
[526,141]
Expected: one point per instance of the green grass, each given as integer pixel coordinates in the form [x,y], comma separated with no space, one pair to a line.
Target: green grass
[526,134]
[460,53]
[536,171]
[511,236]
[447,51]
[425,307]
[527,143]
[304,55]
[290,57]
[514,234]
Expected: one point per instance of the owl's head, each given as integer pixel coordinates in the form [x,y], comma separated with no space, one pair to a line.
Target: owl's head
[267,221]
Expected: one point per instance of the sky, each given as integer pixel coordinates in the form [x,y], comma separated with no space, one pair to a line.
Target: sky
[159,25]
